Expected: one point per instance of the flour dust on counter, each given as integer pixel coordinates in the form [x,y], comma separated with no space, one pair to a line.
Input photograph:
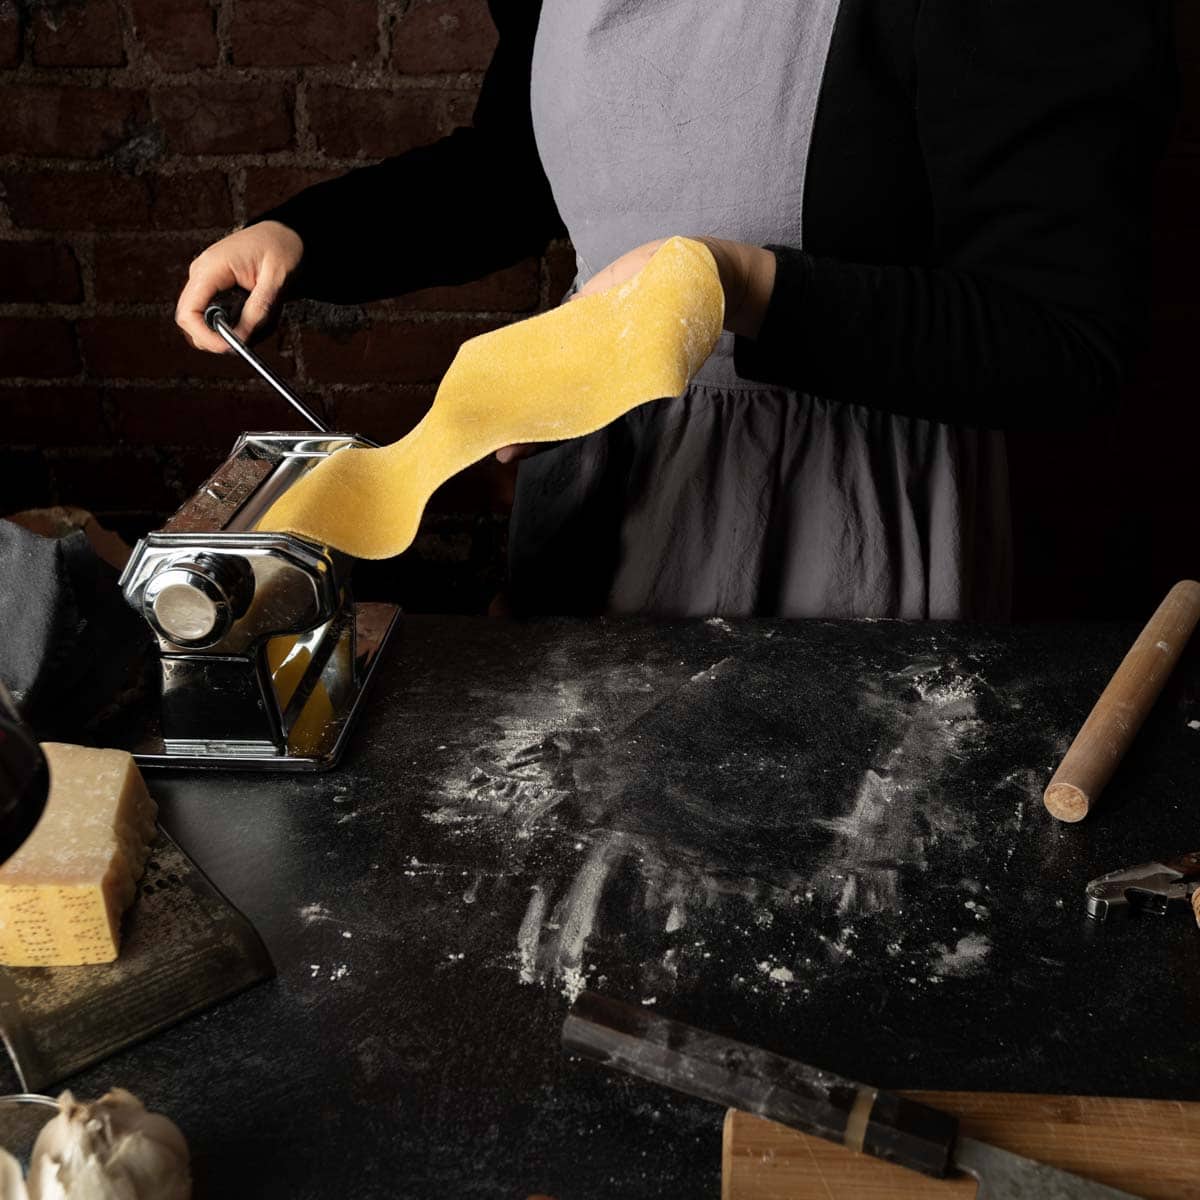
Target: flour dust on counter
[967,955]
[671,867]
[829,834]
[899,814]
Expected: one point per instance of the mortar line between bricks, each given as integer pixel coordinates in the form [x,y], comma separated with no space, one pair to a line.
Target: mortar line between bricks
[129,42]
[32,309]
[110,415]
[385,21]
[84,246]
[223,31]
[296,348]
[172,473]
[393,312]
[242,387]
[301,126]
[185,164]
[97,453]
[236,177]
[148,77]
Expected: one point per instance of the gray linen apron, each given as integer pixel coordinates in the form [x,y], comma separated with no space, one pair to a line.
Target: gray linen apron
[656,117]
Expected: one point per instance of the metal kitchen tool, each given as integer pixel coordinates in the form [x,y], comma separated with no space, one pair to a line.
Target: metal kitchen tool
[263,653]
[1155,887]
[889,1127]
[218,320]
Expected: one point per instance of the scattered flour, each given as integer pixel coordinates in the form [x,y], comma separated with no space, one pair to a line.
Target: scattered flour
[898,814]
[710,674]
[338,971]
[553,948]
[531,783]
[968,954]
[780,975]
[529,933]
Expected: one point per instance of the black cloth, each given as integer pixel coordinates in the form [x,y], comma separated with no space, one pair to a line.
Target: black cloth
[976,221]
[68,640]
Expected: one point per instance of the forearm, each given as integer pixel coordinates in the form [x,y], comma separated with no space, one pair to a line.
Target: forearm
[445,213]
[942,343]
[1026,296]
[419,220]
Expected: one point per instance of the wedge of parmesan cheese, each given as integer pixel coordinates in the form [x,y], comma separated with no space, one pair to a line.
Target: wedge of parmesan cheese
[63,892]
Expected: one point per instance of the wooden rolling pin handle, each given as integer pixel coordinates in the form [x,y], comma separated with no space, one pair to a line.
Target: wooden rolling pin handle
[1123,705]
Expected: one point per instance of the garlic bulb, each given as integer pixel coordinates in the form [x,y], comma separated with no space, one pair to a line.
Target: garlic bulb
[12,1186]
[112,1149]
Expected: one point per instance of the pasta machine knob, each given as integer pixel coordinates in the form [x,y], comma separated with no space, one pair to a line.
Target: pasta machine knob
[195,602]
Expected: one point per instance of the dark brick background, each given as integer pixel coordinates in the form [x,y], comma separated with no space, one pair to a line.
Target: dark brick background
[134,132]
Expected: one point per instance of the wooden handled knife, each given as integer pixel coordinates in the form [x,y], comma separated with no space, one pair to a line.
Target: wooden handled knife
[868,1121]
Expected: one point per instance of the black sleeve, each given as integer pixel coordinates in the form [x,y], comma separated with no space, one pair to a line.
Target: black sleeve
[1039,122]
[445,213]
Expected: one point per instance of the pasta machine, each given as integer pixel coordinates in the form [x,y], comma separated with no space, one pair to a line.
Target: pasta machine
[263,653]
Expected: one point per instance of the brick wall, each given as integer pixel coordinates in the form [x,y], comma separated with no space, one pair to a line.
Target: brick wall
[134,132]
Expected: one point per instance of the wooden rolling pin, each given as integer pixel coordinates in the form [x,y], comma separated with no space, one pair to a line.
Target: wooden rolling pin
[1101,744]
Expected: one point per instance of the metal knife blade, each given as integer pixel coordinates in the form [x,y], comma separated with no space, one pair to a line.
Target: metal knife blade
[1006,1176]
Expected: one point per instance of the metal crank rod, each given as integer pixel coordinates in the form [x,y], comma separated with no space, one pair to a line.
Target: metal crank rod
[217,319]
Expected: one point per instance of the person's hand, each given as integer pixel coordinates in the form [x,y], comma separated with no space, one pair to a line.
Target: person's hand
[747,278]
[259,259]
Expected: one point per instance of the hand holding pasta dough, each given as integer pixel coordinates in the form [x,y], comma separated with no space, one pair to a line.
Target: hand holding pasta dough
[747,275]
[559,375]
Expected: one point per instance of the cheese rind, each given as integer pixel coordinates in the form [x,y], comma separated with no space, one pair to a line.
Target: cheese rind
[63,892]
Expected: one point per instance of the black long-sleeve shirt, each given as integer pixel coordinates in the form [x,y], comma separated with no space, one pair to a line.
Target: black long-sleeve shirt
[976,217]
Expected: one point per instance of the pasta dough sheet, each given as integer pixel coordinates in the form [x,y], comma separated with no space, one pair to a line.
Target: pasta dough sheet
[559,375]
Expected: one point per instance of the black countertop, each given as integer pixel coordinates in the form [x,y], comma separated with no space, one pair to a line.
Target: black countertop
[823,837]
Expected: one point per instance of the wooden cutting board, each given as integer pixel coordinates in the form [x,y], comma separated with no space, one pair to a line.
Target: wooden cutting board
[1148,1147]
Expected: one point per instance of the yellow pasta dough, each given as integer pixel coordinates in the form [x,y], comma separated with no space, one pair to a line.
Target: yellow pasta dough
[559,375]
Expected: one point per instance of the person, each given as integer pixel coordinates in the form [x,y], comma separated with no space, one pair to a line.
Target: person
[931,221]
